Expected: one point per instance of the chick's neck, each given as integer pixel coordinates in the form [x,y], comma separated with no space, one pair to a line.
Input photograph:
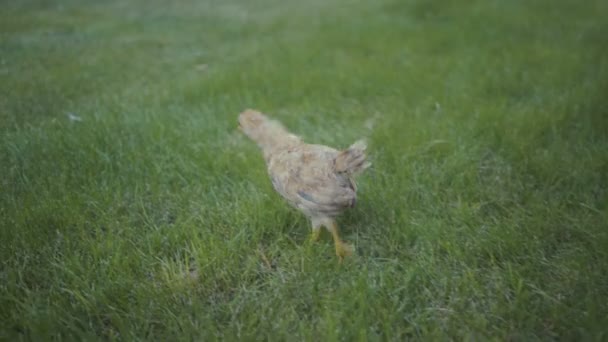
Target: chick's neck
[277,143]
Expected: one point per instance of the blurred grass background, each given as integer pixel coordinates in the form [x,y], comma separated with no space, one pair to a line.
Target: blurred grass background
[132,209]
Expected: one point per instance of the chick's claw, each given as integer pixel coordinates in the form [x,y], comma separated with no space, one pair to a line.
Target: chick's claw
[343,250]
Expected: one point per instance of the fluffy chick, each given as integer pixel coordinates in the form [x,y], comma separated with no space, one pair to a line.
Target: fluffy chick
[315,179]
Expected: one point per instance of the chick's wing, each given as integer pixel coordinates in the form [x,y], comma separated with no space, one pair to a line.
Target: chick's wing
[306,178]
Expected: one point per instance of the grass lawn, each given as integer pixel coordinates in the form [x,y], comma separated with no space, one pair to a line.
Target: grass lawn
[131,208]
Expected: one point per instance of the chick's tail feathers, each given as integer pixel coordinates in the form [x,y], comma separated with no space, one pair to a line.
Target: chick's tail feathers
[353,159]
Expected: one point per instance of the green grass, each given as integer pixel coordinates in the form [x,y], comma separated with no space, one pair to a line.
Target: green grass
[485,215]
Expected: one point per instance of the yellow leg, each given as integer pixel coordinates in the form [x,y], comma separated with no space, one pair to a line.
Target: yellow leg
[343,249]
[316,232]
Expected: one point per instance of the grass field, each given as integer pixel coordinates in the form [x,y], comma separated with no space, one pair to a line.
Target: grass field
[131,208]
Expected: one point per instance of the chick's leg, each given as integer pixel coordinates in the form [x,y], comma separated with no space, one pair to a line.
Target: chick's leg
[316,232]
[316,229]
[343,249]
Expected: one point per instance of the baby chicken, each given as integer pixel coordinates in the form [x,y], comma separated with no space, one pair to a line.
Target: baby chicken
[315,179]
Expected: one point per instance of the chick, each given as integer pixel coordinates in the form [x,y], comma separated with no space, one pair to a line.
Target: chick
[315,179]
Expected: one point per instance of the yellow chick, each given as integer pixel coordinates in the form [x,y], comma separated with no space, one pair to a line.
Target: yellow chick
[315,179]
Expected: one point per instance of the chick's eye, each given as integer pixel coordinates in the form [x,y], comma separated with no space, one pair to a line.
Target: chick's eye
[254,121]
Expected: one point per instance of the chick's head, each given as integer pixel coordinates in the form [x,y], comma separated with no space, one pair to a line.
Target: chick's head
[264,131]
[251,122]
